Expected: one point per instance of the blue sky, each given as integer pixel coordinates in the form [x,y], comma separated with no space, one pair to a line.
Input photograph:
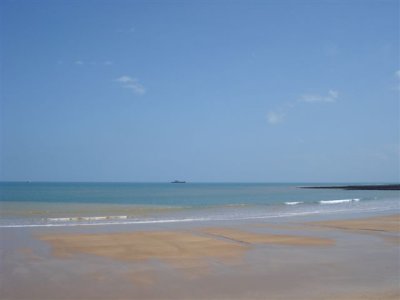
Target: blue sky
[260,91]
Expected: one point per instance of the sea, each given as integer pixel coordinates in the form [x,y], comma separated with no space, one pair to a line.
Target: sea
[45,204]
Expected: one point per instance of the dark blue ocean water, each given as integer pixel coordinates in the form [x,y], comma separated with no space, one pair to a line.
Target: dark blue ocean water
[48,204]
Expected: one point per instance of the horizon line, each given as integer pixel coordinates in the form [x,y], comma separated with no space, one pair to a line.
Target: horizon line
[195,182]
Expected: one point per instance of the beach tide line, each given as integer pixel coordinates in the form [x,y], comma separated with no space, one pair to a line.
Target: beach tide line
[161,221]
[96,218]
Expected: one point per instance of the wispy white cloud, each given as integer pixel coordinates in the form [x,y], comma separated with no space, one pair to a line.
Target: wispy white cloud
[80,62]
[279,115]
[131,83]
[330,97]
[274,117]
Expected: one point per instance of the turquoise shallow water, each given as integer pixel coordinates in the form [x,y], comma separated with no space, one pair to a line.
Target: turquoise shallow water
[71,204]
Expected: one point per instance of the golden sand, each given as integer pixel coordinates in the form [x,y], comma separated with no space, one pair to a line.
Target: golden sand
[203,264]
[185,249]
[171,246]
[375,224]
[262,238]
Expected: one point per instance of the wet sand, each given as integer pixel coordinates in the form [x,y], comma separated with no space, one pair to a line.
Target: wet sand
[228,261]
[389,223]
[169,246]
[262,238]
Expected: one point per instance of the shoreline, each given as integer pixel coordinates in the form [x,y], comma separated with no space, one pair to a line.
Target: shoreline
[42,215]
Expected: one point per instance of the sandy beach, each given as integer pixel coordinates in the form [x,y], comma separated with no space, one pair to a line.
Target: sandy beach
[330,259]
[390,223]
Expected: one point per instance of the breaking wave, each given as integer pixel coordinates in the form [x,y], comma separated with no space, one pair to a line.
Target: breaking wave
[339,201]
[294,202]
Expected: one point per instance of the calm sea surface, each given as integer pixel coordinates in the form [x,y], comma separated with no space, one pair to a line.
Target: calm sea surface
[73,204]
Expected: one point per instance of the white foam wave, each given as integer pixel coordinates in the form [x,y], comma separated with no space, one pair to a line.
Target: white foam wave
[96,218]
[161,221]
[338,201]
[332,210]
[105,223]
[294,202]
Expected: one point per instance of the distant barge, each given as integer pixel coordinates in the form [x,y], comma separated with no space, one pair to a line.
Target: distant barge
[178,181]
[376,187]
